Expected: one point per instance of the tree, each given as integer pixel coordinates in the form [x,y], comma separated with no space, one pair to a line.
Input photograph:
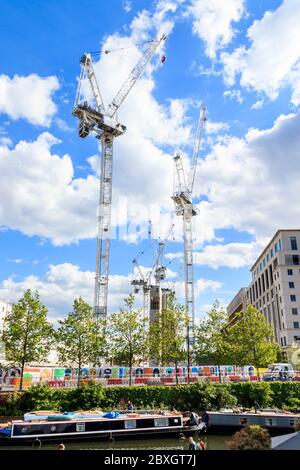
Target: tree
[27,335]
[80,339]
[250,438]
[167,335]
[211,340]
[251,339]
[127,335]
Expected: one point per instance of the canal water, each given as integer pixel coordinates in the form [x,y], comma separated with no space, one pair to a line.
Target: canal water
[213,442]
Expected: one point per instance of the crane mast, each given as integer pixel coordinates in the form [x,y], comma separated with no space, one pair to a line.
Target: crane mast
[104,123]
[158,270]
[182,198]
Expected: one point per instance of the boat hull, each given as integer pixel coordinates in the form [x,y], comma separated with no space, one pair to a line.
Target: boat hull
[140,427]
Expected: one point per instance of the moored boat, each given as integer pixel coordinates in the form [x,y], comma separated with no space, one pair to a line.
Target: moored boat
[38,427]
[230,420]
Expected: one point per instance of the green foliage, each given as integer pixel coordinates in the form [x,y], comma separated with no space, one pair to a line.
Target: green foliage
[211,341]
[196,397]
[250,438]
[167,335]
[249,339]
[247,392]
[127,335]
[79,338]
[27,334]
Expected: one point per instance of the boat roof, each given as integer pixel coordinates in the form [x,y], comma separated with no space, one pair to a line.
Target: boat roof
[252,413]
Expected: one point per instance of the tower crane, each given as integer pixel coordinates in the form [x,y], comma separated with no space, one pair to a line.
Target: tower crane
[103,121]
[182,197]
[158,271]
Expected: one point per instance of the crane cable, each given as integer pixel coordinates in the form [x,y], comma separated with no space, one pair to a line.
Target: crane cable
[108,51]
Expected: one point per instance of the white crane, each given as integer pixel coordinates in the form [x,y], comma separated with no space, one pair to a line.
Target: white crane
[104,123]
[182,197]
[158,270]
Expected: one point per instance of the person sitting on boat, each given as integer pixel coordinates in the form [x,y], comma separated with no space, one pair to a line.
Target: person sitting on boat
[256,405]
[61,447]
[129,406]
[192,444]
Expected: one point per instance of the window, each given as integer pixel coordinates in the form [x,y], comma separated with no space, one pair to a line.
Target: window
[290,272]
[296,324]
[130,423]
[80,427]
[295,259]
[283,326]
[281,342]
[293,298]
[161,422]
[284,341]
[280,300]
[264,262]
[294,311]
[260,266]
[272,253]
[293,243]
[276,247]
[271,422]
[296,338]
[280,245]
[291,285]
[268,257]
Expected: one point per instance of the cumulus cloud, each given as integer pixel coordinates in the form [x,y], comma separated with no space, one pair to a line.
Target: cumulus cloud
[61,284]
[28,98]
[250,183]
[212,22]
[230,255]
[40,196]
[272,59]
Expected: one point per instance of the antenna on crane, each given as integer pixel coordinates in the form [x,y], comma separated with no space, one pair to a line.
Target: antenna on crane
[182,198]
[104,123]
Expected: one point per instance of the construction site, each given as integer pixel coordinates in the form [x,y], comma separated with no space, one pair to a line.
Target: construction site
[102,121]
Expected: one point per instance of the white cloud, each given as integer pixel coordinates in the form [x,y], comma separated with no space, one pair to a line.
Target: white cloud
[272,59]
[215,127]
[231,255]
[5,142]
[28,98]
[258,104]
[40,196]
[127,5]
[233,95]
[63,283]
[251,183]
[212,22]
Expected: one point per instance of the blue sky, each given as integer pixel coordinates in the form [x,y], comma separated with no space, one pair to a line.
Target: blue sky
[241,58]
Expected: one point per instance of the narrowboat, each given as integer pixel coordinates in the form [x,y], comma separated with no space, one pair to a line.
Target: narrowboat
[39,426]
[229,420]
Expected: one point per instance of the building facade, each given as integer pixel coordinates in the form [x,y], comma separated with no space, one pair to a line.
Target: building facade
[275,286]
[238,304]
[5,308]
[158,301]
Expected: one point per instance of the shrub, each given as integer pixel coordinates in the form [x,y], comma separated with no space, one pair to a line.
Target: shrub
[250,438]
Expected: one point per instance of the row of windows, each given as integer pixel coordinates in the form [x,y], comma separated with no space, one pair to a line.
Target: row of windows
[277,247]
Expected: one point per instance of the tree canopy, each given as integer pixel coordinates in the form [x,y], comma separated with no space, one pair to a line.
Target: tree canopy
[27,334]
